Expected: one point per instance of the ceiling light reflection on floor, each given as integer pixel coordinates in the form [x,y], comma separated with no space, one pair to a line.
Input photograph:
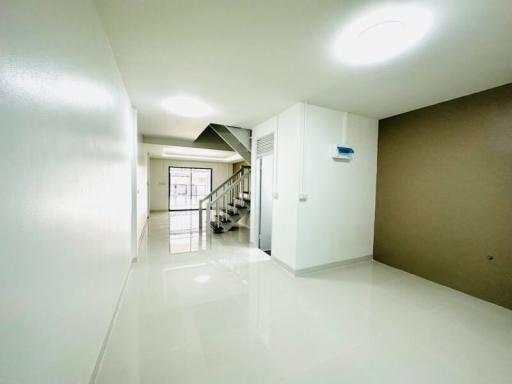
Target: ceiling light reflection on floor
[202,279]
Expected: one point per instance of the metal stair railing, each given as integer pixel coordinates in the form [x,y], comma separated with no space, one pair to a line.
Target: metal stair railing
[225,194]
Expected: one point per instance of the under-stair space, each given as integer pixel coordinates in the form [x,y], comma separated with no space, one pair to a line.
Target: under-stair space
[228,204]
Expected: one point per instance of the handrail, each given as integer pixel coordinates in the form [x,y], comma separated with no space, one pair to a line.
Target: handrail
[223,184]
[233,186]
[211,201]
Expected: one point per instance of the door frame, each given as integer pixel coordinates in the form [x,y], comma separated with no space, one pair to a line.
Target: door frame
[260,210]
[169,186]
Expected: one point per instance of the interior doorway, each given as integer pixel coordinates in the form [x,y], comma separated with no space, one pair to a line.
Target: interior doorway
[266,172]
[187,186]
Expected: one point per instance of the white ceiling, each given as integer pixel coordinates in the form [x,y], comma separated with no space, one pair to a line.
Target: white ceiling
[252,59]
[189,153]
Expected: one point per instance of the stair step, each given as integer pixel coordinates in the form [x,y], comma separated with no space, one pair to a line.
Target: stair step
[222,219]
[216,228]
[234,215]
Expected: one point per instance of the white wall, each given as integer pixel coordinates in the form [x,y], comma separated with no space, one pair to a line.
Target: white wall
[65,200]
[142,186]
[134,183]
[285,208]
[286,181]
[335,222]
[159,178]
[258,131]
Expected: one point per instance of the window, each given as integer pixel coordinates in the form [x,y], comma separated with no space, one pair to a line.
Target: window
[187,186]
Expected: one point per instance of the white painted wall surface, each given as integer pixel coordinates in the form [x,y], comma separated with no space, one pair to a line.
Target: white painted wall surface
[65,198]
[285,209]
[336,221]
[266,201]
[286,182]
[269,126]
[134,150]
[142,186]
[159,178]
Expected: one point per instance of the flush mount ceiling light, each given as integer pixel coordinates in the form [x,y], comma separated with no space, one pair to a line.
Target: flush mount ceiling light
[186,106]
[382,34]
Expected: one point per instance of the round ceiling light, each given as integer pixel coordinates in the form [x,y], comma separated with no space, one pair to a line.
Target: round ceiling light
[187,107]
[382,34]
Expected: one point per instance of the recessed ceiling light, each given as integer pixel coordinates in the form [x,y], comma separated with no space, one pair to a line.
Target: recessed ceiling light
[382,34]
[187,106]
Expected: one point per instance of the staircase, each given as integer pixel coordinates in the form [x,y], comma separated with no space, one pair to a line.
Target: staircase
[237,138]
[231,201]
[228,203]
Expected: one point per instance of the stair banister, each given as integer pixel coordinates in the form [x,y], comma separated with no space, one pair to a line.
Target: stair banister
[210,196]
[232,187]
[222,185]
[229,191]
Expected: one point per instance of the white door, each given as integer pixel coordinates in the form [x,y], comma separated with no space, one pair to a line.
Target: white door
[266,165]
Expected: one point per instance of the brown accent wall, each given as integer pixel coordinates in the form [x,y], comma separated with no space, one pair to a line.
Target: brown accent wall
[444,194]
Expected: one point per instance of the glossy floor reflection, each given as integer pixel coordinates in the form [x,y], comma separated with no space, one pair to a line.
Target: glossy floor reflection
[229,314]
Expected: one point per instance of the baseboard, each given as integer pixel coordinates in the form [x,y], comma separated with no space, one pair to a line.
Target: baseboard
[141,236]
[336,264]
[103,348]
[283,265]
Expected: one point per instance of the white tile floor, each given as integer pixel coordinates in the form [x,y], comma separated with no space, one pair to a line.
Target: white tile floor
[229,314]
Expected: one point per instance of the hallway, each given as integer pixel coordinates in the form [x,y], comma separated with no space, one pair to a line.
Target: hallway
[352,160]
[229,314]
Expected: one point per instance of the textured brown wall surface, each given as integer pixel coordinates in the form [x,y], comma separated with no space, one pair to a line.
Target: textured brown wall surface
[444,194]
